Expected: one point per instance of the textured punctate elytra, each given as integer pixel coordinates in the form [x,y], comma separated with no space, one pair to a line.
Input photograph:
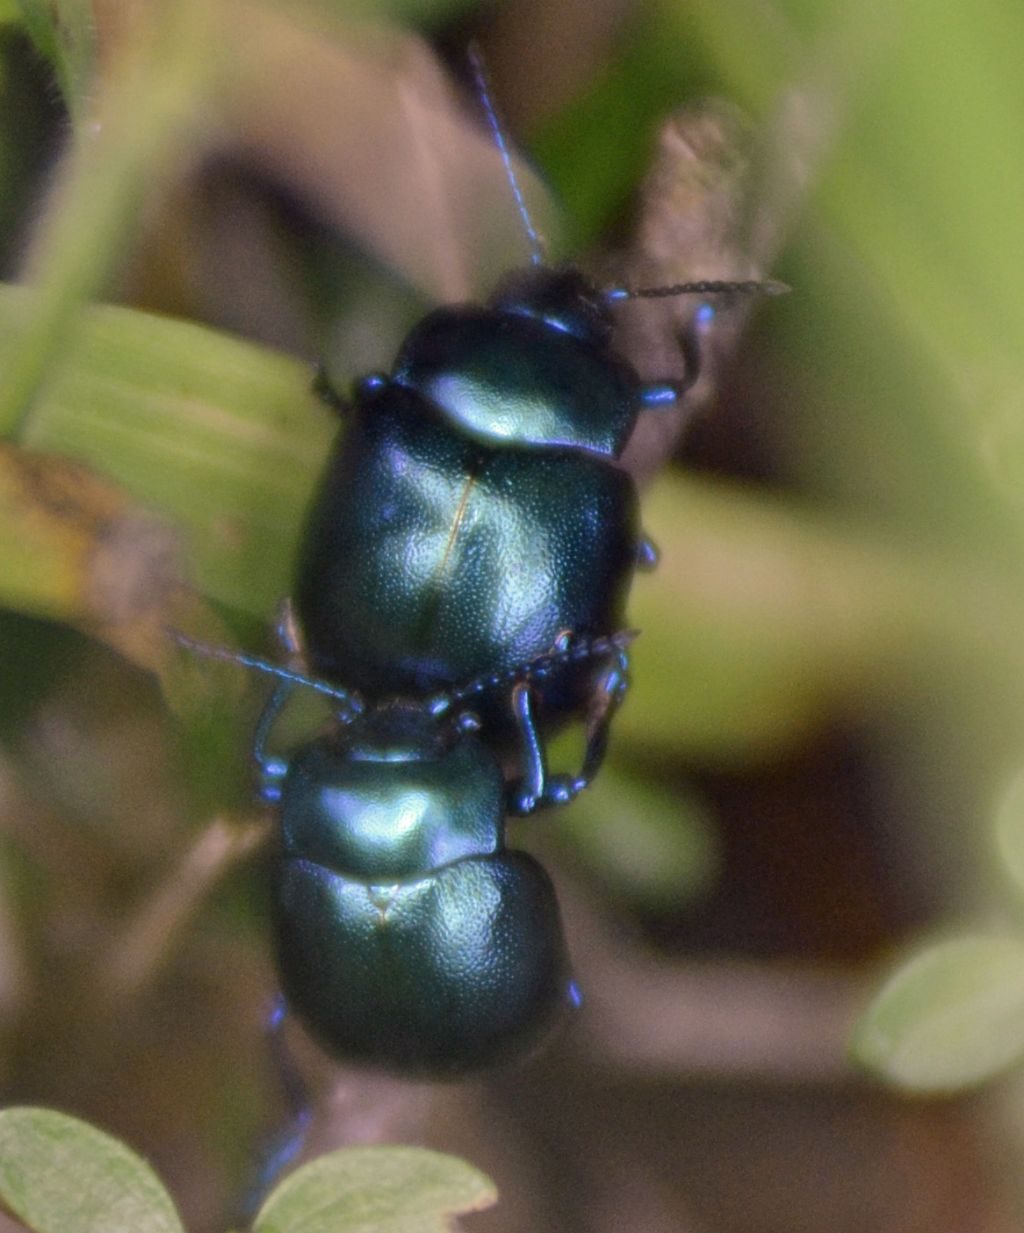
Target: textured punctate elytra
[409,936]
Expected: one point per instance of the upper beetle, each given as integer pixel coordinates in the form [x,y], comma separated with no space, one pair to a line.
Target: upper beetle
[472,512]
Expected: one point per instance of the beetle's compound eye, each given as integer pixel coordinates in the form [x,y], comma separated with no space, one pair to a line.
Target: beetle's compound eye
[462,969]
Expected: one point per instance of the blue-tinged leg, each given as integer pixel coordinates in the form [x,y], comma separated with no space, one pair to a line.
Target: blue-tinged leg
[608,697]
[286,1144]
[528,793]
[270,768]
[538,788]
[371,384]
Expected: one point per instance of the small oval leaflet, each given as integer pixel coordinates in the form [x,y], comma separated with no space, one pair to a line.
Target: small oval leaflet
[951,1018]
[61,1175]
[376,1190]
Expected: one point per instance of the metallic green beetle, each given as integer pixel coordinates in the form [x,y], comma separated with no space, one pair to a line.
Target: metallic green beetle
[408,935]
[473,514]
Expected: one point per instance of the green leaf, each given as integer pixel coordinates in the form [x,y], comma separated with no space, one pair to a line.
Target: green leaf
[950,1018]
[151,110]
[60,1175]
[221,436]
[376,1190]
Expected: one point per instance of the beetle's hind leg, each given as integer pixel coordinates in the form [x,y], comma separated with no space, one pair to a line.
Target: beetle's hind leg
[284,1145]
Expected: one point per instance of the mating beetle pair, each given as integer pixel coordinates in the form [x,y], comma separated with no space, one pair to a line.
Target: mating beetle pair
[460,591]
[471,546]
[473,515]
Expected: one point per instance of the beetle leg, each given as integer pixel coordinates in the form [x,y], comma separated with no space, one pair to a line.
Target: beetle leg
[538,787]
[608,697]
[285,1144]
[270,769]
[528,793]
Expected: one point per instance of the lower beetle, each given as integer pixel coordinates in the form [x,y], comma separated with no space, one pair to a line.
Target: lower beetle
[408,935]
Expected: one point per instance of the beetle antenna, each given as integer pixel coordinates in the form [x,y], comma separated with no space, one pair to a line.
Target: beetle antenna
[258,664]
[750,287]
[476,62]
[567,649]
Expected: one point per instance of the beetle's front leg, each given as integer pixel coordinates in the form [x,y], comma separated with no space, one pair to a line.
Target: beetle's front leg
[270,768]
[538,787]
[609,694]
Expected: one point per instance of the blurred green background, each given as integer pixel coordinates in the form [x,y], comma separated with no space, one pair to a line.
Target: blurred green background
[828,705]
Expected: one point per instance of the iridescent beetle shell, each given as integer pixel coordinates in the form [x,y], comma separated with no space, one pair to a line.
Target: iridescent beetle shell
[472,510]
[409,936]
